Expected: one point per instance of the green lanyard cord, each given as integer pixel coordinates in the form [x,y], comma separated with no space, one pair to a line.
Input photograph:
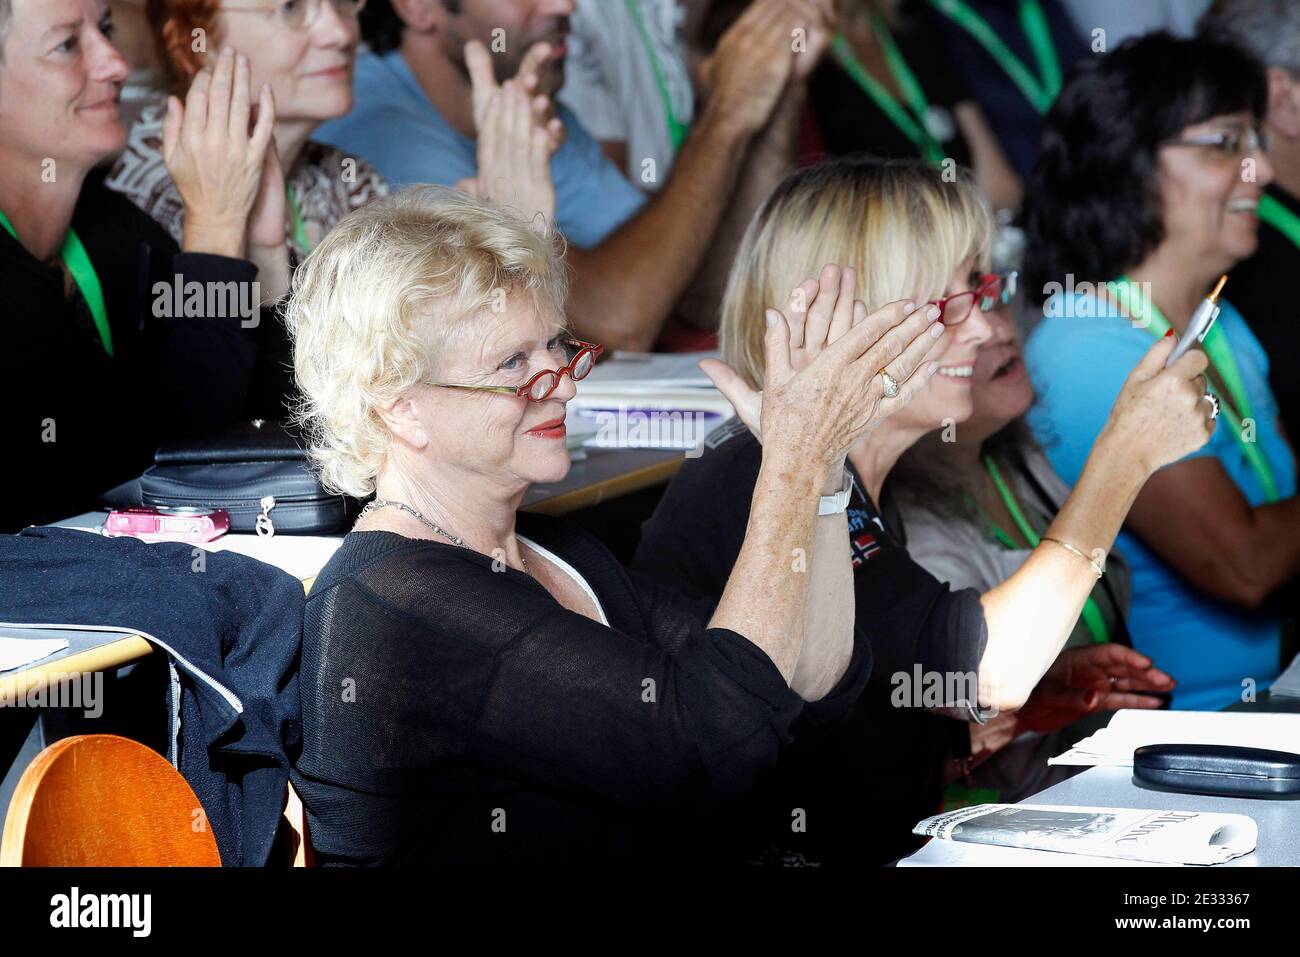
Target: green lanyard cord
[677,130]
[1092,616]
[1219,351]
[82,270]
[1039,90]
[1280,218]
[299,227]
[912,124]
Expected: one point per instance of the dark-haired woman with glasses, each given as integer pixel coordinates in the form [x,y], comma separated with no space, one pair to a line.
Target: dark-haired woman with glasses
[1147,191]
[908,233]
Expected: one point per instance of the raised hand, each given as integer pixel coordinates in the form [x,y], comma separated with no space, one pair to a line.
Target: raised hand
[819,22]
[214,160]
[1162,414]
[1096,678]
[818,313]
[752,64]
[268,245]
[515,142]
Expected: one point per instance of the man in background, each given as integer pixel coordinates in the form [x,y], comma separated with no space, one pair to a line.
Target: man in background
[632,258]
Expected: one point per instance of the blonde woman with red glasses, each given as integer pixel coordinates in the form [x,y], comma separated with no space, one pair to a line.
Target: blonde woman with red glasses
[907,232]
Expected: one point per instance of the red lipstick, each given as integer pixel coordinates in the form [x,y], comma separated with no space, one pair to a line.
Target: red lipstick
[554,429]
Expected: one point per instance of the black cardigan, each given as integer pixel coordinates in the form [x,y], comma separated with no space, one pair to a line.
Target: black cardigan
[457,714]
[77,421]
[231,636]
[863,782]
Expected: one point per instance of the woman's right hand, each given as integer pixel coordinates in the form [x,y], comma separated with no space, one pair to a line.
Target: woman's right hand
[820,411]
[1162,414]
[817,313]
[215,162]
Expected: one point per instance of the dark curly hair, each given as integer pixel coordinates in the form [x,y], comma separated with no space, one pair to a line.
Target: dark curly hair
[1093,207]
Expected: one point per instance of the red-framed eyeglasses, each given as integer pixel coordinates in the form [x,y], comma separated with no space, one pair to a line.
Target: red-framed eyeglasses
[993,288]
[540,386]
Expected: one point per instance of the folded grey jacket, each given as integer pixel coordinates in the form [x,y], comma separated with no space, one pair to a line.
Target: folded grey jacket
[232,630]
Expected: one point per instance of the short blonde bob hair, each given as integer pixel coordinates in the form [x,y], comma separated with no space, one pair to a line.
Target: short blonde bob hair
[387,291]
[902,224]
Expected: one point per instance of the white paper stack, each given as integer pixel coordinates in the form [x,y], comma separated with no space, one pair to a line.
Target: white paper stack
[941,853]
[1113,745]
[647,400]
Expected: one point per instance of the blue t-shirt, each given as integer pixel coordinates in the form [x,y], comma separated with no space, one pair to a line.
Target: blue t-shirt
[395,127]
[1079,357]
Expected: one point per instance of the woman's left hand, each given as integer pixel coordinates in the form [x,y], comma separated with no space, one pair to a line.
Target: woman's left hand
[1096,678]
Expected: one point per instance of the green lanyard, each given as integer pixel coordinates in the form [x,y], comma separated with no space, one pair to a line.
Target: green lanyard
[1092,616]
[1219,351]
[1280,218]
[299,227]
[909,119]
[676,128]
[1039,90]
[83,274]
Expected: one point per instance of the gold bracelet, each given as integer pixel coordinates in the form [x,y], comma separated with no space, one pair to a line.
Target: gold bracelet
[1066,545]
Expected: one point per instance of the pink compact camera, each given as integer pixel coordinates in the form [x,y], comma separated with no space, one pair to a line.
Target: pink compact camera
[167,525]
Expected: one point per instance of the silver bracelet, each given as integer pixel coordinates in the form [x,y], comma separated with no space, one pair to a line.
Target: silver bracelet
[1066,545]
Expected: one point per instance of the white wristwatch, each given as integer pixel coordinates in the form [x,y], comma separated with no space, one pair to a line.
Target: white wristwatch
[837,503]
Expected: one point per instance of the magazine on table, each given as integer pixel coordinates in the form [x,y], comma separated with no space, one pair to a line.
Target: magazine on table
[1168,837]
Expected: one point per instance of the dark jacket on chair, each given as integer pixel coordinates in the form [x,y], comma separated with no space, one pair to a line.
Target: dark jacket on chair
[232,630]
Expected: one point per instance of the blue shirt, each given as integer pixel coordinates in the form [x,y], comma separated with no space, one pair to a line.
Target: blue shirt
[395,127]
[1079,357]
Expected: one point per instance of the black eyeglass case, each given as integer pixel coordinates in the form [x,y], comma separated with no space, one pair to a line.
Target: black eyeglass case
[1218,769]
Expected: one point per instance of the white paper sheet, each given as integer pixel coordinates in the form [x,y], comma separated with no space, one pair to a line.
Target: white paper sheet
[1113,745]
[940,853]
[1288,682]
[20,652]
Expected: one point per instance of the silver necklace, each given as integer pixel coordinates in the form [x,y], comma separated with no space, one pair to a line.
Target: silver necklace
[384,503]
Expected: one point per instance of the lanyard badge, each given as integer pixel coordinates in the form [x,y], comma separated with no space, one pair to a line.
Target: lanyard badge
[82,270]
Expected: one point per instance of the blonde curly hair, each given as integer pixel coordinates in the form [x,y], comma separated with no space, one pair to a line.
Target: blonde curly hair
[382,296]
[901,224]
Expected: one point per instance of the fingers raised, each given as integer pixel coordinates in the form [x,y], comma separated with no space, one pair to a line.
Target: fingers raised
[240,106]
[222,85]
[822,307]
[265,126]
[842,318]
[196,102]
[776,342]
[482,77]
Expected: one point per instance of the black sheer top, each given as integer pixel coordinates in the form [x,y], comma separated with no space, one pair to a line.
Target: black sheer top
[861,782]
[455,713]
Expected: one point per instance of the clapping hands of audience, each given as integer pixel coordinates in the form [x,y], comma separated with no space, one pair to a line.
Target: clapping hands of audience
[758,56]
[217,163]
[819,23]
[517,136]
[1096,678]
[823,367]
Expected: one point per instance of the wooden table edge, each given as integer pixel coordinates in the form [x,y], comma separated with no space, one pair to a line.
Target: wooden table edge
[624,484]
[106,657]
